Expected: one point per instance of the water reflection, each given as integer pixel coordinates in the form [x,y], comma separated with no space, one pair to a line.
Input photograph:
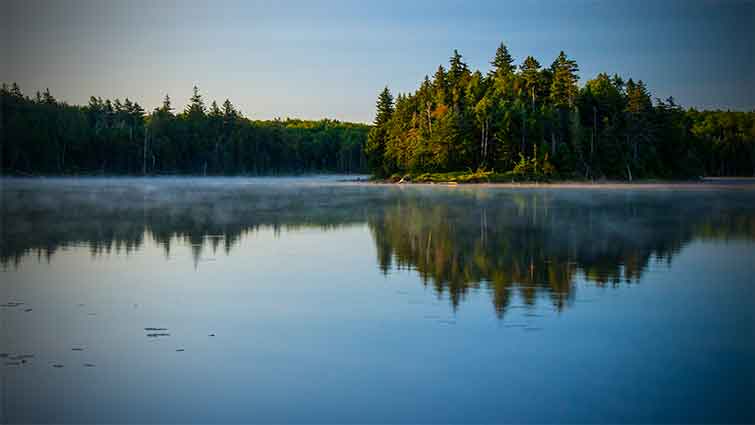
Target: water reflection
[537,242]
[523,243]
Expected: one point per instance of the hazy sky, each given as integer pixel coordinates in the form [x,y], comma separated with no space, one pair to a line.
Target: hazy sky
[330,59]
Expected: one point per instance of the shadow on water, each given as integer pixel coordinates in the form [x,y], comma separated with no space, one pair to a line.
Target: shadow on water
[524,242]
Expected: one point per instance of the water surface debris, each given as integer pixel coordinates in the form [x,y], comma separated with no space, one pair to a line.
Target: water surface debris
[155,329]
[180,349]
[77,349]
[27,310]
[57,365]
[155,335]
[88,365]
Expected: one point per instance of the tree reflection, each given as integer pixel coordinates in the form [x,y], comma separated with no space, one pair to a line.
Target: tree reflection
[537,242]
[533,244]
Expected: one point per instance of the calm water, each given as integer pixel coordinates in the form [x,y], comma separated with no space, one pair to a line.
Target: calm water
[313,300]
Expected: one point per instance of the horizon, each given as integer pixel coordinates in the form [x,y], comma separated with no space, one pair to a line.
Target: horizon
[303,61]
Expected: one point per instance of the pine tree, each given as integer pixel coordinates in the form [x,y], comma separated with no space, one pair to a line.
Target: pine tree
[564,85]
[638,107]
[457,67]
[440,86]
[503,63]
[532,78]
[195,108]
[48,98]
[376,139]
[638,97]
[215,110]
[385,107]
[229,111]
[166,107]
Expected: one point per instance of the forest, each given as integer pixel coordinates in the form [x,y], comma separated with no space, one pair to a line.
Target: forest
[43,136]
[515,122]
[533,122]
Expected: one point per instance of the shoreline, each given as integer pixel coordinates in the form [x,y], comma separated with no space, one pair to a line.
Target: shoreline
[740,183]
[745,183]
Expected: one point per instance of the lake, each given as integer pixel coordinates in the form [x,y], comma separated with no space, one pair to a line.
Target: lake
[316,300]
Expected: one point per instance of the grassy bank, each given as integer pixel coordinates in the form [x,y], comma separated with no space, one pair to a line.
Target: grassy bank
[479,176]
[483,177]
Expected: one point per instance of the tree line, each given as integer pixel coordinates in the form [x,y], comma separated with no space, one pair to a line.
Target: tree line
[536,121]
[41,135]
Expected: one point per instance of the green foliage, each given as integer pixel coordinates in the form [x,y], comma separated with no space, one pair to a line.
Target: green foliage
[564,85]
[503,62]
[377,137]
[535,168]
[478,176]
[44,136]
[463,120]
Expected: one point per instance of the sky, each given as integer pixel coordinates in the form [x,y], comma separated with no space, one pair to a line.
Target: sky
[309,59]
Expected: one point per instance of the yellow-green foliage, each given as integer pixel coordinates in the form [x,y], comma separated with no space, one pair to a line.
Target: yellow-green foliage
[535,167]
[479,176]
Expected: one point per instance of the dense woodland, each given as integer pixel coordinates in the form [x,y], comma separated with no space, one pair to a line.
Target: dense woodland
[524,121]
[41,135]
[535,121]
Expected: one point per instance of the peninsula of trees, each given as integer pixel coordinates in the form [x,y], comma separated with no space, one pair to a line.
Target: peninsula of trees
[530,121]
[42,136]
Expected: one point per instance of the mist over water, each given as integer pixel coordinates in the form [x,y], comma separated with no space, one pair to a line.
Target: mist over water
[318,299]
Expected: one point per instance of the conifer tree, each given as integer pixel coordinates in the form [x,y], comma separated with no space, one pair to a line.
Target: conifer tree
[385,107]
[376,139]
[195,109]
[564,85]
[229,111]
[502,63]
[166,106]
[457,68]
[532,79]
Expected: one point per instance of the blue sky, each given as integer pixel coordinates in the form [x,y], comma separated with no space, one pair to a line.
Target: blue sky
[330,59]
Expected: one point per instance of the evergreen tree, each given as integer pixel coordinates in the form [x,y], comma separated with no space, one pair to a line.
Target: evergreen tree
[564,85]
[215,110]
[166,106]
[530,69]
[385,107]
[457,68]
[377,137]
[48,98]
[195,109]
[502,63]
[229,111]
